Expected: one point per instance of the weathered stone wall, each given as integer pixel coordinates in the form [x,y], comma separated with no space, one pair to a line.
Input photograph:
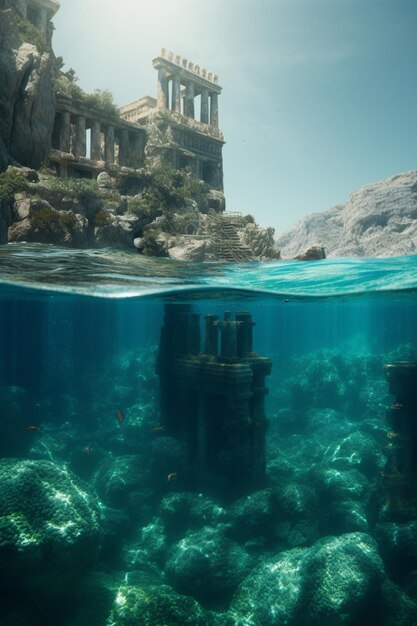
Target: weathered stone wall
[27,103]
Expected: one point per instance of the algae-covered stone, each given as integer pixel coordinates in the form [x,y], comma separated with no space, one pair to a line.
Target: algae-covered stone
[335,582]
[154,606]
[208,566]
[49,528]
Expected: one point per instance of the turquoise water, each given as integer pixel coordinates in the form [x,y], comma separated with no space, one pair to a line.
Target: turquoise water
[135,488]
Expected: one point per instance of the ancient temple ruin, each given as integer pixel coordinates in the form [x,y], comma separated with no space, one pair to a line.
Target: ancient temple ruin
[212,397]
[40,14]
[183,87]
[114,145]
[85,141]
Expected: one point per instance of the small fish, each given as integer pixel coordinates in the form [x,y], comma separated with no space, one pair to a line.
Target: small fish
[397,405]
[120,416]
[32,428]
[286,300]
[171,476]
[392,435]
[158,429]
[88,450]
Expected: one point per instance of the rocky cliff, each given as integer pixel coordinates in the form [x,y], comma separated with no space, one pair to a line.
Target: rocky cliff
[378,220]
[27,106]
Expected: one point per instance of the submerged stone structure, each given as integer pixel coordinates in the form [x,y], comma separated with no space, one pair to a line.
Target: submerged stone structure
[212,397]
[400,474]
[183,89]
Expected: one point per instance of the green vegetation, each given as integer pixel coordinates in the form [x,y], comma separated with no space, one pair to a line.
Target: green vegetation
[47,218]
[11,182]
[83,189]
[99,99]
[166,191]
[102,218]
[152,245]
[30,34]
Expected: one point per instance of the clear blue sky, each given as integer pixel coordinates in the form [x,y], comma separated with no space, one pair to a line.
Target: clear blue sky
[319,96]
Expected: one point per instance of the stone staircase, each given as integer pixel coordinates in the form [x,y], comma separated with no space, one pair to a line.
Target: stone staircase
[225,238]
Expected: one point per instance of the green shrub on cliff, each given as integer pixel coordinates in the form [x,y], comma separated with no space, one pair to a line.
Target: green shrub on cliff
[11,182]
[79,188]
[166,190]
[99,99]
[30,34]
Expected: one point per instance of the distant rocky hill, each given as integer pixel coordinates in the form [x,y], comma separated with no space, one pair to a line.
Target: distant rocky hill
[378,220]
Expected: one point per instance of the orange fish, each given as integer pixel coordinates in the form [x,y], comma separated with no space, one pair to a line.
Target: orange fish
[158,429]
[120,416]
[171,476]
[31,428]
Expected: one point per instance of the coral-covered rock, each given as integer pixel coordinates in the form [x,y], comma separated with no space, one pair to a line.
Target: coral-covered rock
[335,582]
[154,606]
[49,528]
[207,565]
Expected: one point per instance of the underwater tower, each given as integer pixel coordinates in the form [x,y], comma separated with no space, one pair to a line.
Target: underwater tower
[400,475]
[212,395]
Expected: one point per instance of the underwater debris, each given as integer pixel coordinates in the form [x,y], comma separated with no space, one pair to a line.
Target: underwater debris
[214,398]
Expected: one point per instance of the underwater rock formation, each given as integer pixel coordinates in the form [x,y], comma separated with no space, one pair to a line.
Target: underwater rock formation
[49,529]
[332,583]
[208,566]
[154,605]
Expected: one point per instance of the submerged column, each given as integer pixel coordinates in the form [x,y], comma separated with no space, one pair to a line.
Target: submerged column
[212,335]
[80,139]
[95,141]
[399,476]
[189,99]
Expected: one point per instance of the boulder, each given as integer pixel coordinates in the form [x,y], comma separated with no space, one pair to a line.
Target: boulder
[312,253]
[49,528]
[335,582]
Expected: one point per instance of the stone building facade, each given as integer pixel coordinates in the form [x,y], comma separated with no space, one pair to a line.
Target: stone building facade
[183,138]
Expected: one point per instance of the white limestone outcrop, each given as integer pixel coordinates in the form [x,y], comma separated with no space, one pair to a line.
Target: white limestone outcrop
[378,220]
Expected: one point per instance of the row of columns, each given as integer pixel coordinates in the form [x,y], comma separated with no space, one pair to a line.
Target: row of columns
[208,114]
[130,143]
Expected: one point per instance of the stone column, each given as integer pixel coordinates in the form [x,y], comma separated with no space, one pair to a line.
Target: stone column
[189,100]
[80,139]
[124,147]
[95,141]
[136,155]
[109,144]
[204,114]
[176,93]
[162,95]
[65,132]
[212,335]
[214,110]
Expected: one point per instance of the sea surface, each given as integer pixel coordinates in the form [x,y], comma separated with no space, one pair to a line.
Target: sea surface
[145,479]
